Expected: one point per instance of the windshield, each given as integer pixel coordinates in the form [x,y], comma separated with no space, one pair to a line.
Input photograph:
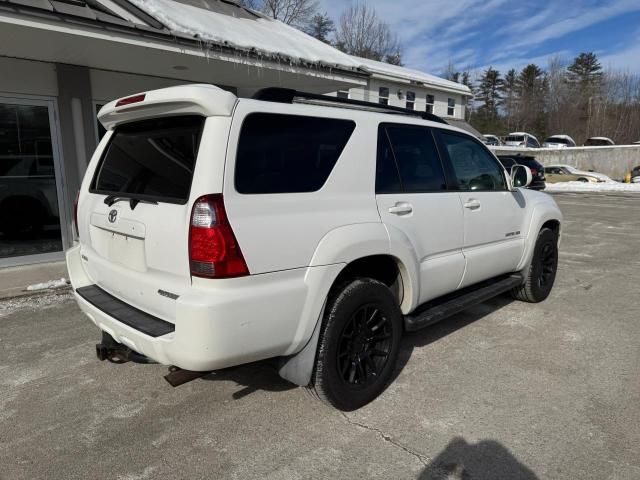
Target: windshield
[151,159]
[561,140]
[515,138]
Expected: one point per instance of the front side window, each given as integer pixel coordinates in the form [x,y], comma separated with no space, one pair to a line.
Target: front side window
[411,100]
[474,167]
[431,100]
[451,107]
[151,158]
[408,159]
[383,96]
[288,153]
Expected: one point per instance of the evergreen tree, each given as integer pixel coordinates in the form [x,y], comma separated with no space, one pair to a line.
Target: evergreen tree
[320,27]
[510,99]
[585,70]
[490,95]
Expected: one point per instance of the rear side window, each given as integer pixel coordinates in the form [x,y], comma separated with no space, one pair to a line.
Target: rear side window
[151,159]
[288,153]
[408,161]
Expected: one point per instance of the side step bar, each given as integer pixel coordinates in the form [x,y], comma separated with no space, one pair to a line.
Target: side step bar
[443,307]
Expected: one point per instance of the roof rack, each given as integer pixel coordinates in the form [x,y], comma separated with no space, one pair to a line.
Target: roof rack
[288,95]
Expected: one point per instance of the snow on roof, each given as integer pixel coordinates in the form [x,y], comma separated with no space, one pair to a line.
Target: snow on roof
[404,73]
[254,33]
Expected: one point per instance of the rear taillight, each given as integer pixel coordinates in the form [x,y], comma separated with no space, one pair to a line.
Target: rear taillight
[75,214]
[129,100]
[213,249]
[534,172]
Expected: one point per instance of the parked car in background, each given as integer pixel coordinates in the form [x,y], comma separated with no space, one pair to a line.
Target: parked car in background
[491,140]
[567,173]
[559,141]
[521,139]
[537,169]
[635,175]
[598,142]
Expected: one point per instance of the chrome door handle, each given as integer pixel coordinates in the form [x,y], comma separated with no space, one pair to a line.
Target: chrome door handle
[472,205]
[401,208]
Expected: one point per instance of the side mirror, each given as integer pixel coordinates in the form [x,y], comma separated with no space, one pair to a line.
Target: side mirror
[521,176]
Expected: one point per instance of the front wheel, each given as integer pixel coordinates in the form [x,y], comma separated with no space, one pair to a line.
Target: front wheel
[358,346]
[540,276]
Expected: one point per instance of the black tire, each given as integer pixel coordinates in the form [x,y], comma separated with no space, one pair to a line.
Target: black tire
[583,180]
[358,345]
[541,274]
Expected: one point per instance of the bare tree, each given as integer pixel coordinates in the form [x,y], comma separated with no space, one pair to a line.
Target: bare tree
[297,13]
[362,33]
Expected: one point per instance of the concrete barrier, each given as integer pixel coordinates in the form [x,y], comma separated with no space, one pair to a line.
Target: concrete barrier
[614,161]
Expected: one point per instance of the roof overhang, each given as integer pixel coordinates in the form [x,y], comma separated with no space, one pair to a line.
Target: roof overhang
[51,37]
[404,81]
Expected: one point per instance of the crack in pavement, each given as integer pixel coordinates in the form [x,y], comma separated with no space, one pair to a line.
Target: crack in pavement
[425,460]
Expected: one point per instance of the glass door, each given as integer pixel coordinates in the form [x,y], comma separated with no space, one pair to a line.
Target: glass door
[31,213]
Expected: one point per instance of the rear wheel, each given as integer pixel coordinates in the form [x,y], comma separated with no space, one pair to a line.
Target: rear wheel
[358,345]
[540,276]
[583,180]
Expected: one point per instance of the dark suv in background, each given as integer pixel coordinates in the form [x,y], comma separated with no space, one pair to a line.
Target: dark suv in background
[537,169]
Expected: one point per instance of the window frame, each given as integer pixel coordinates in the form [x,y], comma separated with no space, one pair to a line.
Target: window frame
[444,154]
[382,99]
[451,108]
[382,131]
[430,106]
[410,102]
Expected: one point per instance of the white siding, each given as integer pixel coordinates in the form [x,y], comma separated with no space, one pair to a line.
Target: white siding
[27,77]
[370,94]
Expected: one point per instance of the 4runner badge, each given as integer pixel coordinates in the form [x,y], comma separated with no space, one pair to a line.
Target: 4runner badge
[113,215]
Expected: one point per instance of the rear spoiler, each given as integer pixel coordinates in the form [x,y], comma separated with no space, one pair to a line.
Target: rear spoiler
[201,99]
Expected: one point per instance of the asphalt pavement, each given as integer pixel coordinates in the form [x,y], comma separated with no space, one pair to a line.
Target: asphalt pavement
[505,390]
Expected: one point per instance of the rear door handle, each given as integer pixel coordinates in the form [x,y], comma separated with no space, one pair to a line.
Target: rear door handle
[401,208]
[472,204]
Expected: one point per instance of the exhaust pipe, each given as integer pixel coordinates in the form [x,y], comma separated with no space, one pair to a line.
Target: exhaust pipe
[177,376]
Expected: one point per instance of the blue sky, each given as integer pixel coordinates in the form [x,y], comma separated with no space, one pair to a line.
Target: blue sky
[509,33]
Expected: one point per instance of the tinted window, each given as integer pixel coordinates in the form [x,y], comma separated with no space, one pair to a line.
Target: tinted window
[514,138]
[387,176]
[288,153]
[416,159]
[474,166]
[152,158]
[561,140]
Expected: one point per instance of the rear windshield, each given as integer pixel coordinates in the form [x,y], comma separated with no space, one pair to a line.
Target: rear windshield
[515,138]
[561,140]
[151,159]
[288,153]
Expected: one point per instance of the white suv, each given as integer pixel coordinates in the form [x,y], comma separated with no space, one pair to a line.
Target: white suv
[216,231]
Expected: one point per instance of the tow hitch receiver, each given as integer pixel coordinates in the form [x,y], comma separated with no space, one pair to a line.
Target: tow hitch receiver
[109,349]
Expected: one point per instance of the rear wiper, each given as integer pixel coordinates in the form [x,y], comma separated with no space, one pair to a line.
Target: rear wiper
[133,202]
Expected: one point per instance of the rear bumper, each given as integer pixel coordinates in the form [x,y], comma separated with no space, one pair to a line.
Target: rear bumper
[234,321]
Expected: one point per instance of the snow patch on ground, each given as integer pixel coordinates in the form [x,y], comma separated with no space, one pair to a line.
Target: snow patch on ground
[593,187]
[60,282]
[33,302]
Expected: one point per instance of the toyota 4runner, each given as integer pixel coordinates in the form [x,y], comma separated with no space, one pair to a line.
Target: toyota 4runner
[215,231]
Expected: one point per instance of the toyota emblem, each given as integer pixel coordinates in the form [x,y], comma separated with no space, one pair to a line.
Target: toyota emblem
[113,215]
